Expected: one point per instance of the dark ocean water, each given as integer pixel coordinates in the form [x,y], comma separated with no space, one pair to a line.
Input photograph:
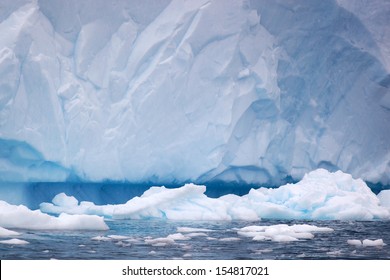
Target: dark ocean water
[128,239]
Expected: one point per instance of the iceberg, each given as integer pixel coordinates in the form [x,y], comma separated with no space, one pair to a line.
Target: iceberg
[20,217]
[320,195]
[170,92]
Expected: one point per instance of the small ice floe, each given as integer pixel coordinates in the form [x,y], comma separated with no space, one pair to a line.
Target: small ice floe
[366,243]
[189,229]
[169,240]
[160,241]
[178,236]
[101,238]
[229,239]
[133,240]
[373,243]
[211,238]
[335,253]
[118,237]
[354,242]
[281,232]
[7,232]
[123,243]
[188,255]
[113,238]
[14,241]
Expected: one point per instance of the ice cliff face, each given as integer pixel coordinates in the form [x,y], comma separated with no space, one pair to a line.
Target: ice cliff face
[174,91]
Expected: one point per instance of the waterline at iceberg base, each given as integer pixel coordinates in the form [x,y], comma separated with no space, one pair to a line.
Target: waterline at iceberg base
[325,215]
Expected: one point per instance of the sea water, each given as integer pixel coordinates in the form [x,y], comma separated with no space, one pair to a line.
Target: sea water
[131,239]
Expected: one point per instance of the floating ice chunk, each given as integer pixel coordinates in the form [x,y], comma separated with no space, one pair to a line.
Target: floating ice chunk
[354,242]
[160,241]
[101,238]
[229,239]
[335,253]
[211,238]
[190,229]
[14,241]
[118,237]
[281,232]
[375,243]
[319,195]
[178,236]
[13,216]
[6,232]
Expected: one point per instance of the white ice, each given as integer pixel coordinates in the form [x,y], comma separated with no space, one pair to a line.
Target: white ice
[366,242]
[179,91]
[355,242]
[320,195]
[370,243]
[6,232]
[281,232]
[384,198]
[14,241]
[20,217]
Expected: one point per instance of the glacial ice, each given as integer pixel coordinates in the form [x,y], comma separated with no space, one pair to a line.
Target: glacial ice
[194,91]
[20,217]
[384,198]
[319,195]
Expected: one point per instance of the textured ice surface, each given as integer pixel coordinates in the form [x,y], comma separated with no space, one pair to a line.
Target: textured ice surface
[319,195]
[384,197]
[20,217]
[178,91]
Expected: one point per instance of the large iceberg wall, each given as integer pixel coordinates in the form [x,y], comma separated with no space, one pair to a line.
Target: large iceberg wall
[175,91]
